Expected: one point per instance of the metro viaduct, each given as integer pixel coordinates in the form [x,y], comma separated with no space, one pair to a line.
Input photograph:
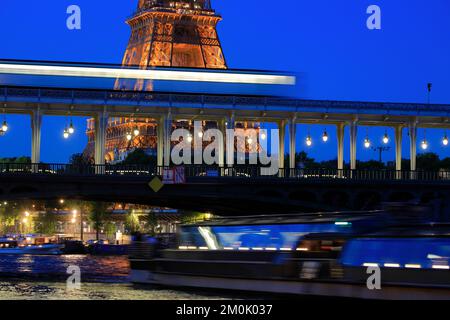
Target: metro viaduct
[230,196]
[226,110]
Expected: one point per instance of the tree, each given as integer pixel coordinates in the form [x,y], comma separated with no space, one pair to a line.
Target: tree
[8,218]
[301,158]
[445,163]
[78,159]
[97,216]
[370,165]
[139,156]
[428,162]
[22,159]
[132,222]
[151,222]
[46,223]
[110,229]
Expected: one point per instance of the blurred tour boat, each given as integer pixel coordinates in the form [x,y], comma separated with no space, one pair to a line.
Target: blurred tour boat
[310,254]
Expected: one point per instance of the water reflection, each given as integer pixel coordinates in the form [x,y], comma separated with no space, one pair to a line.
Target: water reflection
[93,268]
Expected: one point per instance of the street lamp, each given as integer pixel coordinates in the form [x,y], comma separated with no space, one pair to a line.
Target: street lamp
[367,143]
[309,141]
[71,128]
[4,126]
[386,138]
[424,144]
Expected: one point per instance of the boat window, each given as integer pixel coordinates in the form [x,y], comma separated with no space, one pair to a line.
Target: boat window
[429,253]
[272,237]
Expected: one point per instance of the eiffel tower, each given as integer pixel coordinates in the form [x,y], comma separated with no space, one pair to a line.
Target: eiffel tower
[171,33]
[164,33]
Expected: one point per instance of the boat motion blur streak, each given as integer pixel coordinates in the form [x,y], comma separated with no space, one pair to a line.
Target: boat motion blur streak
[155,74]
[314,254]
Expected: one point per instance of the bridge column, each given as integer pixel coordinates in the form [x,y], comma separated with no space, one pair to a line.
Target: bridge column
[353,143]
[281,143]
[101,122]
[398,147]
[36,123]
[413,145]
[230,123]
[167,132]
[340,145]
[160,142]
[292,142]
[221,125]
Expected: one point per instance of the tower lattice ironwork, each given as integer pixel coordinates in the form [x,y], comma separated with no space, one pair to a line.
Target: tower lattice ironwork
[164,33]
[168,33]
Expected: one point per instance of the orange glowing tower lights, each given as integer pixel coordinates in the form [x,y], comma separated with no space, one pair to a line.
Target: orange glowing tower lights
[172,33]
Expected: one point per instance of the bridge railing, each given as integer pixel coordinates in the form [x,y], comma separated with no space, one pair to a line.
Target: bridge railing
[243,172]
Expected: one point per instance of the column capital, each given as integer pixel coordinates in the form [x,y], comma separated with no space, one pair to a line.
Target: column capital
[293,119]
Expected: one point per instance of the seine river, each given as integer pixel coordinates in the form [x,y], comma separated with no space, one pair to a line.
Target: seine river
[103,278]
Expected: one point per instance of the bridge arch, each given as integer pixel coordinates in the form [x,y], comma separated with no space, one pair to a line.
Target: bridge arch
[401,196]
[21,189]
[303,195]
[336,198]
[270,193]
[367,200]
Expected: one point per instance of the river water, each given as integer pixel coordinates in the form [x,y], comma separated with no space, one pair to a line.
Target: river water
[27,277]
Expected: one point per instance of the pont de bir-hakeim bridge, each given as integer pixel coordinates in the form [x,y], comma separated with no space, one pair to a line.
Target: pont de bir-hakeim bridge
[226,97]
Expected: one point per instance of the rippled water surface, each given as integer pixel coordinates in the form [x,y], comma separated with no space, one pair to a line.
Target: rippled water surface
[102,278]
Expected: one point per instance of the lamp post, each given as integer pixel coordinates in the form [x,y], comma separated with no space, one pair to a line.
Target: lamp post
[381,149]
[81,226]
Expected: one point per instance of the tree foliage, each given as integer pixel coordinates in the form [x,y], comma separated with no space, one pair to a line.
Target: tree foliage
[46,223]
[139,156]
[97,216]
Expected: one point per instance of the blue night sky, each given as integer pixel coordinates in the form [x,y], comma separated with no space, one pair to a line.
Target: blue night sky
[327,41]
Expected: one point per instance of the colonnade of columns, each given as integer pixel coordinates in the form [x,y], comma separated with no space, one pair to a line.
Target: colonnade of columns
[164,145]
[353,127]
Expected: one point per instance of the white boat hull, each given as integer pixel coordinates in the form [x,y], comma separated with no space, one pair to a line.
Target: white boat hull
[291,287]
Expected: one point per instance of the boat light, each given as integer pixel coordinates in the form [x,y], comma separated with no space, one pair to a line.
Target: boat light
[342,223]
[392,265]
[413,266]
[441,267]
[367,264]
